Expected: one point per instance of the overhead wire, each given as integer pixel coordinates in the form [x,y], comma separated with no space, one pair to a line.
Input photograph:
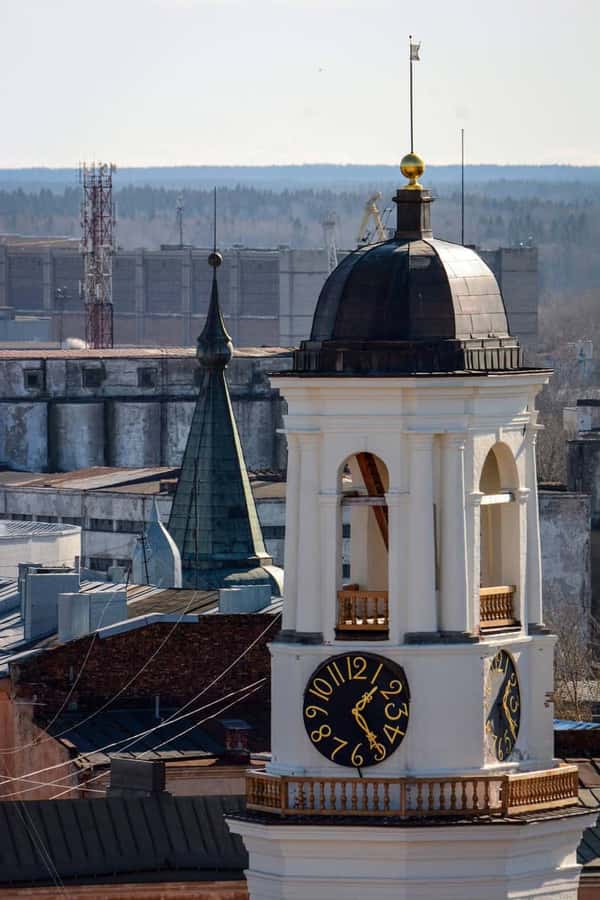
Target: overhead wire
[6,752]
[123,688]
[130,681]
[251,687]
[219,712]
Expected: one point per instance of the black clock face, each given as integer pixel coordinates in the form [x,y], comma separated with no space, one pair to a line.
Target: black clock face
[356,708]
[504,706]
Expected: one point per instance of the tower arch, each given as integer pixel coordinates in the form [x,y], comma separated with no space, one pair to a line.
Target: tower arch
[500,539]
[362,599]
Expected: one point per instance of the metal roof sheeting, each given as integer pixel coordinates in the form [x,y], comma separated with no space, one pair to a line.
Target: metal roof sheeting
[123,725]
[121,836]
[567,725]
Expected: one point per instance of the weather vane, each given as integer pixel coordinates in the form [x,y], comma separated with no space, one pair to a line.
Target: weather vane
[412,166]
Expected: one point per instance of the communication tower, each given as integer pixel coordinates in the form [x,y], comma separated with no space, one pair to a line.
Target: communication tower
[97,247]
[329,223]
[180,208]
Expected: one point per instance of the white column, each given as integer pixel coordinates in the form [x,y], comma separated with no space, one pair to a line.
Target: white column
[454,608]
[331,560]
[421,600]
[533,581]
[308,579]
[292,495]
[523,498]
[398,563]
[474,538]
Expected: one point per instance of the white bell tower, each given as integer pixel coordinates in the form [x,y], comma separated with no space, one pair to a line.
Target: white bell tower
[412,741]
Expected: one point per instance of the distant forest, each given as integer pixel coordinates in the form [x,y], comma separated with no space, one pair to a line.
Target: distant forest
[555,208]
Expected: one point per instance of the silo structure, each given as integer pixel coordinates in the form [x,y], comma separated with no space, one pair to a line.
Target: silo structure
[24,436]
[133,431]
[76,436]
[175,434]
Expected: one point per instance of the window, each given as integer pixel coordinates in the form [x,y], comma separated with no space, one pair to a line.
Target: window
[71,520]
[34,379]
[130,526]
[273,532]
[47,518]
[21,517]
[100,563]
[147,378]
[123,563]
[101,525]
[346,531]
[93,378]
[346,571]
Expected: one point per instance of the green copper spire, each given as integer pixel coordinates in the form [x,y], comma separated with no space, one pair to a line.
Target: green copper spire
[213,518]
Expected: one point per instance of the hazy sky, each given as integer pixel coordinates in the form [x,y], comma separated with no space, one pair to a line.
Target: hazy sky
[167,82]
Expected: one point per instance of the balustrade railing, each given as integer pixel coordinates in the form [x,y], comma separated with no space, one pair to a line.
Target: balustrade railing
[465,796]
[496,606]
[363,610]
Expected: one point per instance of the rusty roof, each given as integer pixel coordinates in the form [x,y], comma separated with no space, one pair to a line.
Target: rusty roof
[98,477]
[135,353]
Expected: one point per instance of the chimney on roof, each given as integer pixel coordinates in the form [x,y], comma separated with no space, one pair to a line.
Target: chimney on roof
[136,777]
[235,740]
[244,599]
[40,588]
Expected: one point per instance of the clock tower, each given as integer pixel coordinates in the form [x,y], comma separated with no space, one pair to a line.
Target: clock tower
[412,741]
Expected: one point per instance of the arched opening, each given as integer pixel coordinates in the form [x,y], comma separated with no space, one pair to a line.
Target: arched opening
[499,546]
[362,602]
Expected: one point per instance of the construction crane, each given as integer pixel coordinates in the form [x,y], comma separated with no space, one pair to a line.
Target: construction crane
[371,212]
[329,223]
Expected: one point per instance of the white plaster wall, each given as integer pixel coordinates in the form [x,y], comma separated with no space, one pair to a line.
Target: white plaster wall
[446,729]
[435,862]
[399,420]
[61,548]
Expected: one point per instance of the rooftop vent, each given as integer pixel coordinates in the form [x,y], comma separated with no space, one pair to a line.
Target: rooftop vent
[136,777]
[81,614]
[244,599]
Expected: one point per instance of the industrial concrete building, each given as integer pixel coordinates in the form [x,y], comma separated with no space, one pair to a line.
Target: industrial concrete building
[62,410]
[112,507]
[161,296]
[583,474]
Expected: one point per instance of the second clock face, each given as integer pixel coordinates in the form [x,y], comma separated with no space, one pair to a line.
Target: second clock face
[504,709]
[356,708]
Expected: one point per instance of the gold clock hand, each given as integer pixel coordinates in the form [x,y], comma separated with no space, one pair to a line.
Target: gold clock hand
[362,722]
[511,722]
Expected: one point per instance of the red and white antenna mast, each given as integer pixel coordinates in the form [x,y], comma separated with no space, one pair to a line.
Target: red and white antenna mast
[97,247]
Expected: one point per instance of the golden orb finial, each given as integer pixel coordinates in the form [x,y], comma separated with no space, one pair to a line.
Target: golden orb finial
[412,167]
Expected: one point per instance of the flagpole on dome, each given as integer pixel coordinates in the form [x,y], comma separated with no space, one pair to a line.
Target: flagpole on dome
[411,165]
[413,57]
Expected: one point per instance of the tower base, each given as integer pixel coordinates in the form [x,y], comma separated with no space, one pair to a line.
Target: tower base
[510,858]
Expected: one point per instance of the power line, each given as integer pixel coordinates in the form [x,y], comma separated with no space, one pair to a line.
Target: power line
[123,687]
[141,734]
[182,733]
[253,686]
[6,751]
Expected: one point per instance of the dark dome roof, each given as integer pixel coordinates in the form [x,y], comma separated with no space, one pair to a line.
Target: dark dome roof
[405,290]
[412,304]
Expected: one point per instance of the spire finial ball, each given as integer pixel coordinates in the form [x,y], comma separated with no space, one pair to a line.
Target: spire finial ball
[215,259]
[412,167]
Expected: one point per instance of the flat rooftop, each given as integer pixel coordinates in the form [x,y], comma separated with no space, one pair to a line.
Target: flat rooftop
[135,353]
[265,486]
